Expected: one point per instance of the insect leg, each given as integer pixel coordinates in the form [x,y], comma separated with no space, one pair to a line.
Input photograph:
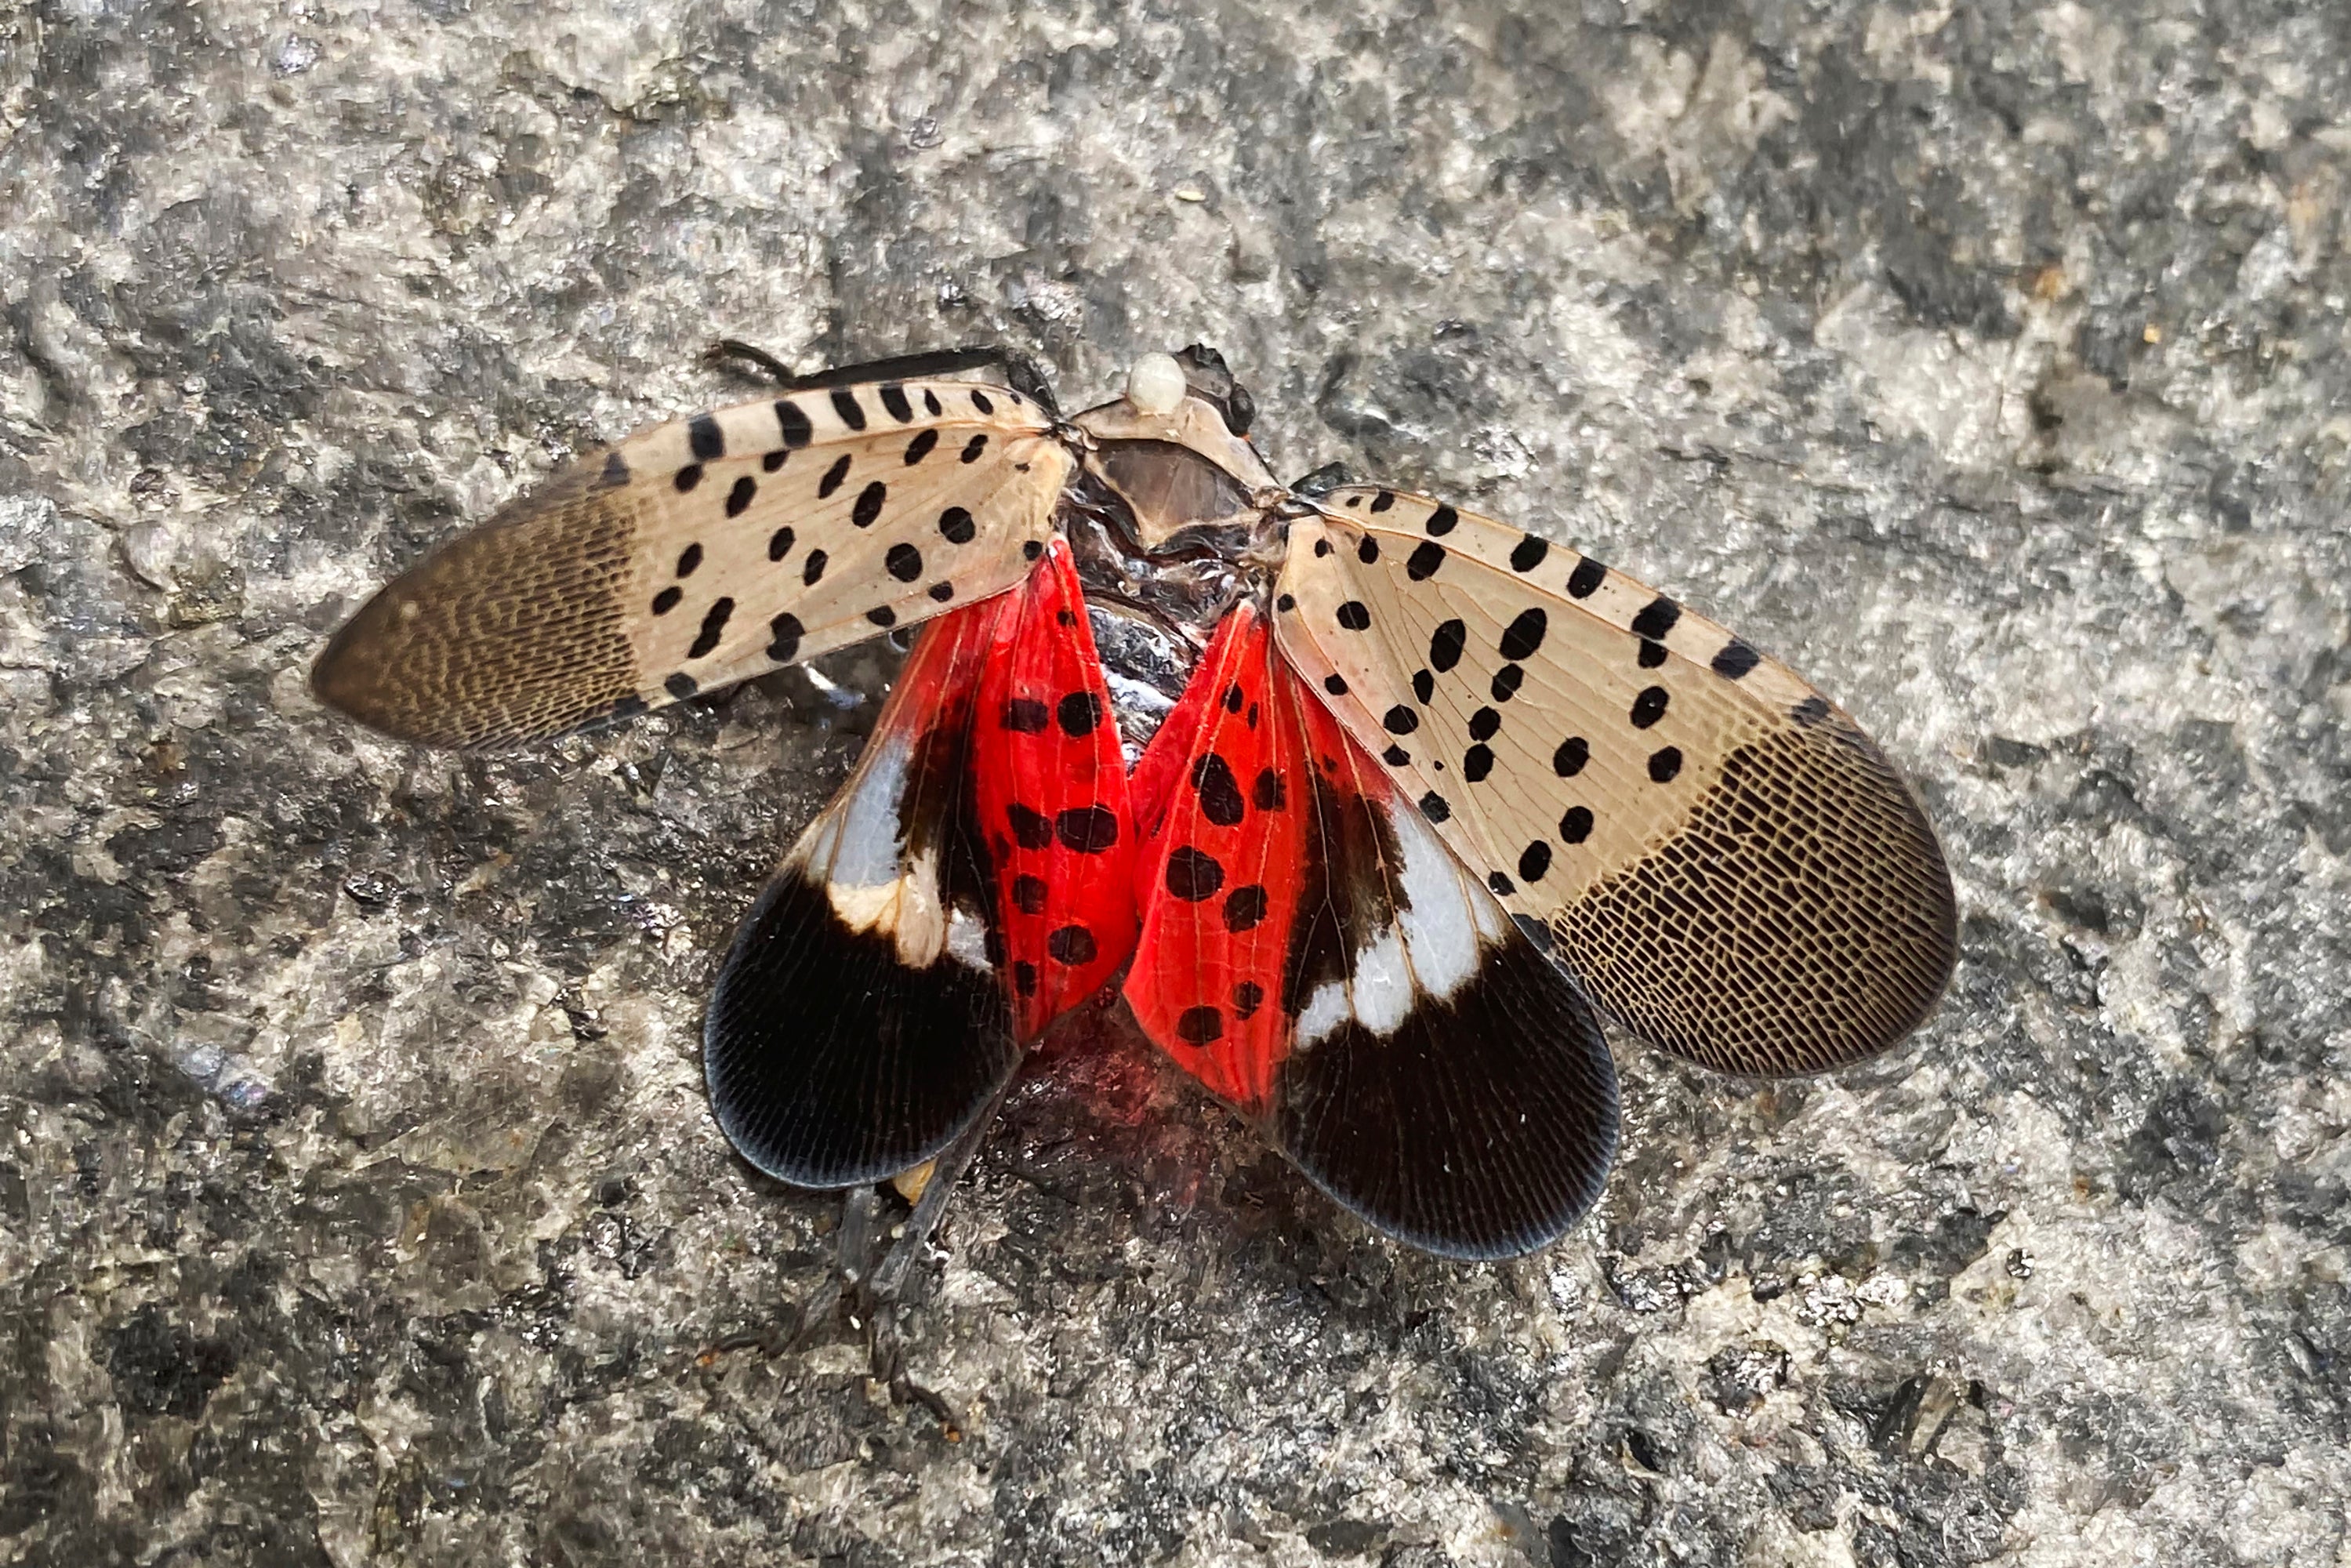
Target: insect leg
[889,1278]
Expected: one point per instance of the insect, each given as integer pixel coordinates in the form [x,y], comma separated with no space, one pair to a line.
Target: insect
[1436,796]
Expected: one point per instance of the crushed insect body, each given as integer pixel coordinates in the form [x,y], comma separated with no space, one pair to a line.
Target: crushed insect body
[1434,798]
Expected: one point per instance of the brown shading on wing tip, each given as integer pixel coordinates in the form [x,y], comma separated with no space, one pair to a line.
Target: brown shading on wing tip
[506,633]
[1801,920]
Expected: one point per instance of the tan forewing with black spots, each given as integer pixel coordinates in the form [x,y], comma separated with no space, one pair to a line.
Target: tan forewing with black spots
[703,551]
[1720,855]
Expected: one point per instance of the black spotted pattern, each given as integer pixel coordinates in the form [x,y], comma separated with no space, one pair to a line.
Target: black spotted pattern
[974,447]
[1656,618]
[1528,553]
[1354,616]
[1572,754]
[1534,861]
[869,504]
[1029,893]
[784,634]
[1079,713]
[1576,825]
[903,561]
[738,499]
[1219,792]
[1485,724]
[1665,763]
[1070,945]
[893,398]
[845,404]
[1025,716]
[1087,829]
[834,477]
[1446,643]
[1425,558]
[1032,829]
[956,525]
[920,447]
[1734,660]
[812,569]
[1525,634]
[779,543]
[714,626]
[793,423]
[1194,874]
[666,599]
[1245,907]
[1649,706]
[1200,1026]
[1507,681]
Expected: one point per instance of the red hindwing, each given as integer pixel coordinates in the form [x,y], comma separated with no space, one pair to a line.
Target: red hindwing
[1053,796]
[1312,953]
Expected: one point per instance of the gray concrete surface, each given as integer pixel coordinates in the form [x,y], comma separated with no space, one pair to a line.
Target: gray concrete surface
[358,1201]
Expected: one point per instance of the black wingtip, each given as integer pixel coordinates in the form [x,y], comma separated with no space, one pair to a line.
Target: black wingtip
[1483,1128]
[830,1062]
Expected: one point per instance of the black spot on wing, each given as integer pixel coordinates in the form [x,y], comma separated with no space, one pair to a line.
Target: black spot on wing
[1525,635]
[1656,618]
[1734,660]
[714,627]
[1193,873]
[1446,643]
[1029,893]
[1087,829]
[706,440]
[1078,713]
[845,405]
[1219,793]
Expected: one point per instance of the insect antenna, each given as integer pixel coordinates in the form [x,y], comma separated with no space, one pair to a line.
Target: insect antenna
[1020,373]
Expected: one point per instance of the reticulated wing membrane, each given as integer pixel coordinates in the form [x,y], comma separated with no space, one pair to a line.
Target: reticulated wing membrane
[1313,955]
[860,1024]
[700,552]
[1051,787]
[1721,857]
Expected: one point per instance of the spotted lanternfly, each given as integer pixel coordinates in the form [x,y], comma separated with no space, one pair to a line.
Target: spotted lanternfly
[1436,796]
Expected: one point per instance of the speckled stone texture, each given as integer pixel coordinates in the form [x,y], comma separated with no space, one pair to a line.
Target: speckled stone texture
[357,1200]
